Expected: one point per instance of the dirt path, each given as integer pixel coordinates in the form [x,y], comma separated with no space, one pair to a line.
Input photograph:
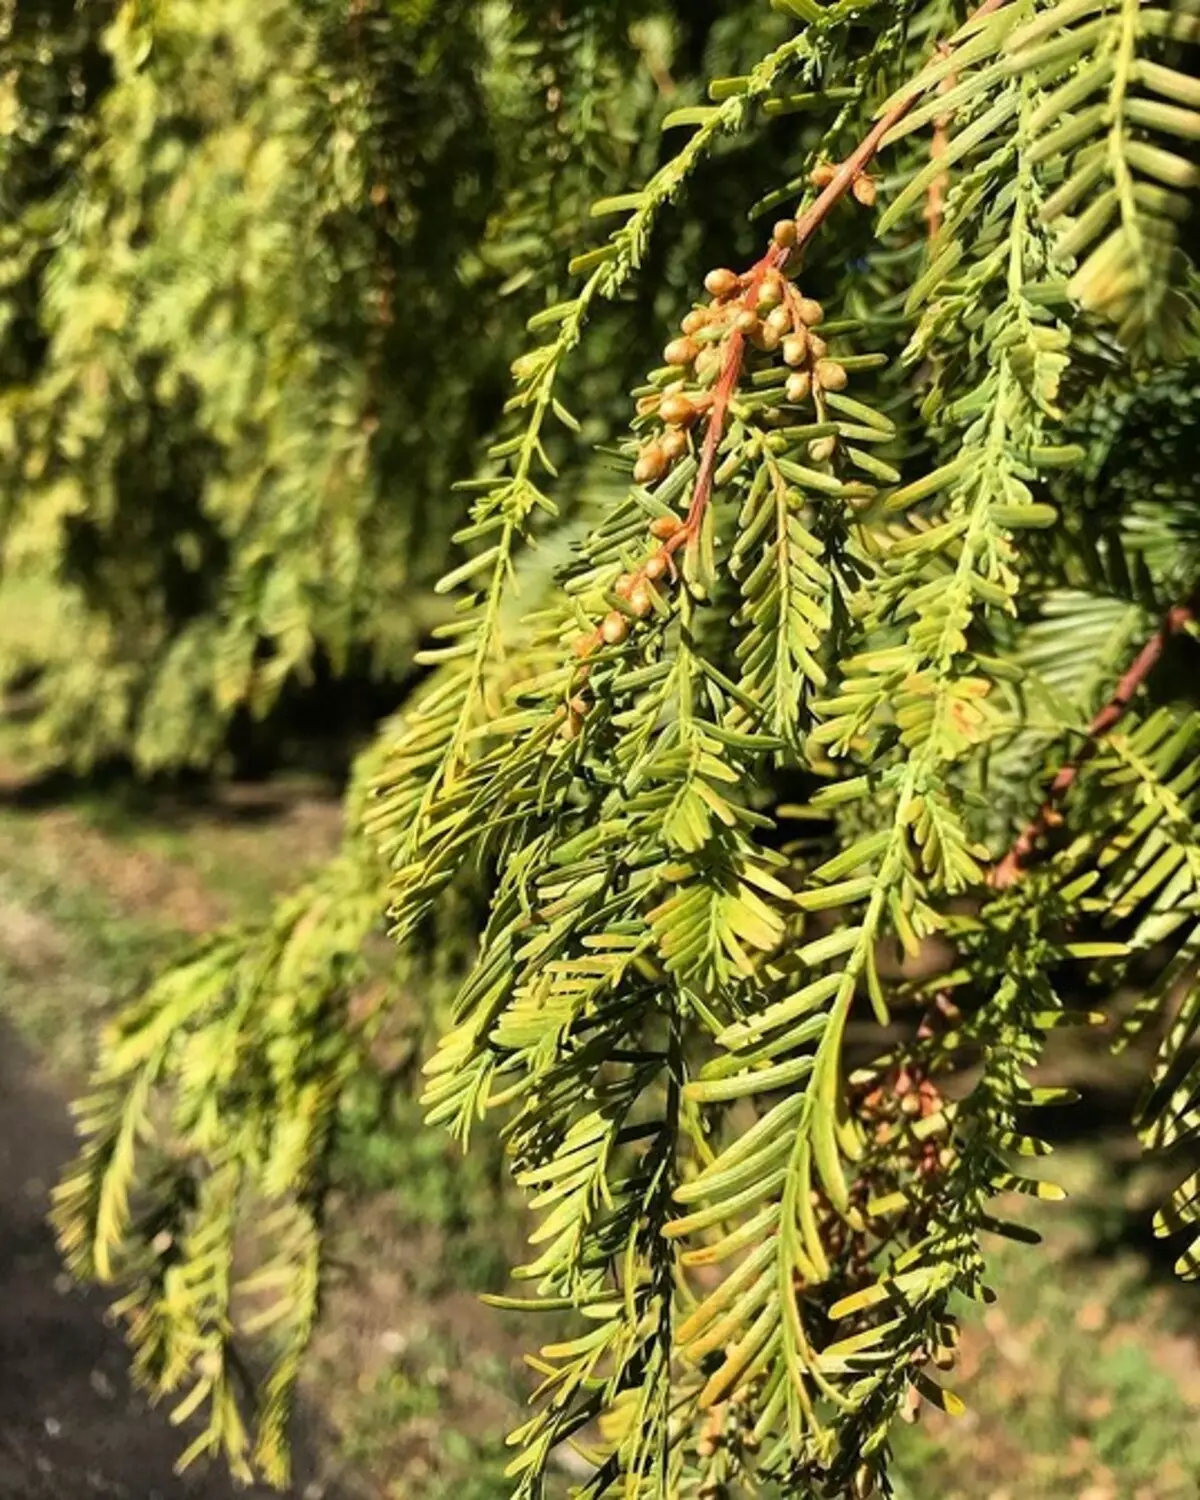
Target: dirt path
[70,1425]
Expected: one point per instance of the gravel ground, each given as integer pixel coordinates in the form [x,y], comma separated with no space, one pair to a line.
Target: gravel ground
[71,1427]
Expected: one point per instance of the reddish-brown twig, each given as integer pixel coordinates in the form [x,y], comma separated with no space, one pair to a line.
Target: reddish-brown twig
[1012,866]
[807,225]
[731,369]
[774,258]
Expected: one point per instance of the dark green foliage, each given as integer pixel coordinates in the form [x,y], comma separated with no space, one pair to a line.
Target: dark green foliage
[888,547]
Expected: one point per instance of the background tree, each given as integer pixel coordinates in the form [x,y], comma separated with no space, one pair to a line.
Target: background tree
[873,645]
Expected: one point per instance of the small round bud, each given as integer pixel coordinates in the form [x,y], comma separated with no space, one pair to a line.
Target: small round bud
[623,586]
[822,174]
[799,387]
[655,567]
[780,318]
[708,363]
[770,295]
[665,527]
[694,321]
[864,1484]
[817,347]
[640,601]
[810,311]
[768,338]
[831,376]
[614,628]
[746,322]
[795,348]
[674,444]
[821,450]
[651,464]
[721,283]
[681,351]
[865,191]
[583,644]
[677,411]
[784,233]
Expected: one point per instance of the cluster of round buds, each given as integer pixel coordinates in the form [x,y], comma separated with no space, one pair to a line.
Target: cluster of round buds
[891,1109]
[636,590]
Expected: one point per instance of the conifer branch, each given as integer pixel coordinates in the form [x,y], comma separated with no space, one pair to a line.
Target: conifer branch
[1010,869]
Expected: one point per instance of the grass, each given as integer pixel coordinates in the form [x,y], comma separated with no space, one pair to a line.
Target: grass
[417,1421]
[1082,1380]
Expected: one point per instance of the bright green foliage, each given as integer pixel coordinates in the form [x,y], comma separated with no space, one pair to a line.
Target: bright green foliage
[251,265]
[905,508]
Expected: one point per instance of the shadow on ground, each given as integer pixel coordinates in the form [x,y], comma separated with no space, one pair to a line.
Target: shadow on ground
[71,1427]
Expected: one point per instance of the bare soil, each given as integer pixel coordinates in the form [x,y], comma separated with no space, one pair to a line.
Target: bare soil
[71,1426]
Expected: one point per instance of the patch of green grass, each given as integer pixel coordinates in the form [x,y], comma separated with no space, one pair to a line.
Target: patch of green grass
[465,1198]
[431,1423]
[68,958]
[1082,1381]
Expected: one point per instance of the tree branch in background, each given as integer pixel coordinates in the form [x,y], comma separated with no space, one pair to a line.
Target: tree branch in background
[1012,866]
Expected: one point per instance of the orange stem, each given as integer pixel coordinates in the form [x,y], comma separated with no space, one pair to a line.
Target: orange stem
[806,226]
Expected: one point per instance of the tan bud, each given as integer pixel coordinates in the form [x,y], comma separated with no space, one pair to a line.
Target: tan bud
[655,567]
[768,338]
[865,191]
[614,628]
[623,586]
[795,348]
[817,347]
[674,444]
[799,387]
[665,527]
[822,174]
[770,295]
[821,450]
[694,321]
[721,283]
[681,351]
[640,601]
[651,464]
[708,363]
[583,644]
[781,318]
[784,233]
[810,311]
[677,411]
[864,1484]
[831,376]
[746,322]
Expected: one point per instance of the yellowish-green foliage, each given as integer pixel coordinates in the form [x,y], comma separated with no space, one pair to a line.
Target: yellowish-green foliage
[911,526]
[249,286]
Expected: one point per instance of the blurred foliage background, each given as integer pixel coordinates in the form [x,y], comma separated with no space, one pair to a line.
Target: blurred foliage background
[263,267]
